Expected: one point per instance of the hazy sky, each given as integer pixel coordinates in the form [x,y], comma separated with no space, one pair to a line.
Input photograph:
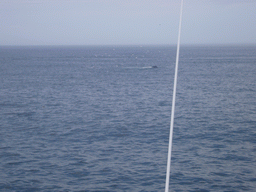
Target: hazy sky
[101,22]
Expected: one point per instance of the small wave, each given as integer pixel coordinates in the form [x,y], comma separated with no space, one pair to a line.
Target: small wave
[146,67]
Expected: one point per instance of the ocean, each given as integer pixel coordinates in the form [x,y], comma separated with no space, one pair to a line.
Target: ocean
[97,118]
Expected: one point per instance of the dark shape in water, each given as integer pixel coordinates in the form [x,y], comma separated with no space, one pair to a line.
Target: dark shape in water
[154,66]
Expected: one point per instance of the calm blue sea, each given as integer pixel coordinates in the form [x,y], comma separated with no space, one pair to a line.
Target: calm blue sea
[97,118]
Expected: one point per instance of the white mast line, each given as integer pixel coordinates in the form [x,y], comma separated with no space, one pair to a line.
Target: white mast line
[173,105]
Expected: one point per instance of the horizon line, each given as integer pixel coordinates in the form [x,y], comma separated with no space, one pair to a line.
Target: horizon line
[131,45]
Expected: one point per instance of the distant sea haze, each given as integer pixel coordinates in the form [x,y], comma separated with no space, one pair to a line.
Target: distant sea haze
[97,118]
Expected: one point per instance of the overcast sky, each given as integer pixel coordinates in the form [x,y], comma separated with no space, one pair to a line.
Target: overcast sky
[111,22]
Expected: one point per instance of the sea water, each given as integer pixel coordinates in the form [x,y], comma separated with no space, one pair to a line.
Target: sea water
[97,118]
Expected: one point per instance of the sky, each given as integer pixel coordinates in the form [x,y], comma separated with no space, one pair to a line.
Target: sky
[126,22]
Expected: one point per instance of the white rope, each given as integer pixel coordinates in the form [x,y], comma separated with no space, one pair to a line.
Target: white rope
[173,106]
